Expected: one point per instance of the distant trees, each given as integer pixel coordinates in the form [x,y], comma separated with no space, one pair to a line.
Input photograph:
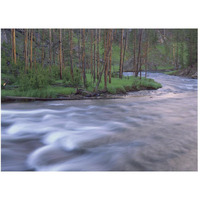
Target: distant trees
[94,52]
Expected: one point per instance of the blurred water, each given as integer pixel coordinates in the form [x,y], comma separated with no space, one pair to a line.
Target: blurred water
[144,131]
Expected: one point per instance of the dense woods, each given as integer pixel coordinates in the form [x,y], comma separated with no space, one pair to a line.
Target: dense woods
[91,58]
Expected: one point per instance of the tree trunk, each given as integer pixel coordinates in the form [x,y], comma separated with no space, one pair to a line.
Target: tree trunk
[50,45]
[71,53]
[139,51]
[83,57]
[125,46]
[25,49]
[106,65]
[60,53]
[31,52]
[95,39]
[42,56]
[146,56]
[121,54]
[34,51]
[13,46]
[98,40]
[134,53]
[110,57]
[105,58]
[91,51]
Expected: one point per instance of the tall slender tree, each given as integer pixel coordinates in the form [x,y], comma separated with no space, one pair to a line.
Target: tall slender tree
[134,51]
[98,39]
[25,49]
[121,54]
[110,57]
[83,57]
[50,53]
[31,49]
[95,40]
[71,53]
[139,52]
[91,52]
[34,35]
[60,52]
[42,55]
[13,45]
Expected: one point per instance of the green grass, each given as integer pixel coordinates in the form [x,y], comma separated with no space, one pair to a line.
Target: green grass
[165,67]
[49,92]
[124,85]
[117,86]
[171,72]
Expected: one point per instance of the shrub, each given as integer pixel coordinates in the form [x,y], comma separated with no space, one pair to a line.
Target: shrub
[34,79]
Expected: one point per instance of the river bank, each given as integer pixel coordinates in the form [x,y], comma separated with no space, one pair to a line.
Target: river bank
[118,88]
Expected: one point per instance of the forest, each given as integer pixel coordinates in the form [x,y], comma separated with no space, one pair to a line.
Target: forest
[76,63]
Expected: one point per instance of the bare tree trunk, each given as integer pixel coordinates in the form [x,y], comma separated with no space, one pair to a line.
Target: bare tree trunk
[13,46]
[83,57]
[110,57]
[42,56]
[91,51]
[50,45]
[106,66]
[146,56]
[121,54]
[134,53]
[54,51]
[98,40]
[25,49]
[60,53]
[71,53]
[95,39]
[125,46]
[139,51]
[31,52]
[34,51]
[105,58]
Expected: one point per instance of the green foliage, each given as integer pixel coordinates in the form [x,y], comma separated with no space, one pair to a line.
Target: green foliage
[34,79]
[67,78]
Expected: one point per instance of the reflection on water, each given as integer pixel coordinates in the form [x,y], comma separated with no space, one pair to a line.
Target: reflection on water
[147,130]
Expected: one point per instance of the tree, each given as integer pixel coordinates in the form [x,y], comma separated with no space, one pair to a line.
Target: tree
[71,52]
[95,39]
[139,53]
[42,55]
[134,52]
[31,52]
[125,46]
[13,46]
[98,40]
[83,57]
[50,45]
[91,51]
[60,52]
[34,49]
[121,54]
[25,49]
[110,57]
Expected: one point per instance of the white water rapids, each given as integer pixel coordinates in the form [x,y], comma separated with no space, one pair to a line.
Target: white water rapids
[152,130]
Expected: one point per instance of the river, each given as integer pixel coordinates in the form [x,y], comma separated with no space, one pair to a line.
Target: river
[154,130]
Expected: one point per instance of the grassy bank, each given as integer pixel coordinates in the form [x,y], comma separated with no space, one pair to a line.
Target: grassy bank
[60,89]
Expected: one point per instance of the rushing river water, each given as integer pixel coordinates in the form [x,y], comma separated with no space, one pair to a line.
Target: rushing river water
[144,131]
